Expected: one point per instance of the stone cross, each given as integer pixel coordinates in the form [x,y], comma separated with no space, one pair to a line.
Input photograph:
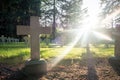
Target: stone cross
[26,39]
[12,40]
[8,39]
[34,30]
[16,40]
[3,38]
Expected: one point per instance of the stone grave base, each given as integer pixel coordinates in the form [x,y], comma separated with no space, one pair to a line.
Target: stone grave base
[35,69]
[115,63]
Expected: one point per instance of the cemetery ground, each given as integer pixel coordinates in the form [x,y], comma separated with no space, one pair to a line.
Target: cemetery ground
[76,65]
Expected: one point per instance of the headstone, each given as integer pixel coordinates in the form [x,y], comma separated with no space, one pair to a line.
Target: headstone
[115,61]
[26,40]
[8,39]
[117,41]
[34,30]
[35,66]
[12,40]
[16,40]
[3,39]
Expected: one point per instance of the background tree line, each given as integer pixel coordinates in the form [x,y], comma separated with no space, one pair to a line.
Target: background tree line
[18,12]
[67,13]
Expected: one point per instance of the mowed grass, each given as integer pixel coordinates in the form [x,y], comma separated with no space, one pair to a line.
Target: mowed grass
[15,53]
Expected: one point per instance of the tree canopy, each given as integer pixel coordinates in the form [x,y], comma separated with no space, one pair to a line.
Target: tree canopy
[16,12]
[68,13]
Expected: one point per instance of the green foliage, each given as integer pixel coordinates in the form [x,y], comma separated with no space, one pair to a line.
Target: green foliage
[13,53]
[71,12]
[17,12]
[103,52]
[110,6]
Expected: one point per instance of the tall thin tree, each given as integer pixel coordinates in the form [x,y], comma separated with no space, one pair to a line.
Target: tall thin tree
[54,21]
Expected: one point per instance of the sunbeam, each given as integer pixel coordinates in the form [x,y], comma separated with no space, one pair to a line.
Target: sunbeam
[67,50]
[84,34]
[102,36]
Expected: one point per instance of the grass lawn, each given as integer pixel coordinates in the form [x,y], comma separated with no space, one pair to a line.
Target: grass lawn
[14,53]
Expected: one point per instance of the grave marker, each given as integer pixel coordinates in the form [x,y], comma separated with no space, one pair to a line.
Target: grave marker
[3,39]
[8,39]
[16,40]
[35,67]
[115,61]
[12,40]
[34,30]
[117,41]
[26,39]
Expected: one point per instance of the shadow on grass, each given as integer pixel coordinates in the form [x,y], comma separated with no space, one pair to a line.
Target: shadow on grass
[92,74]
[14,59]
[88,61]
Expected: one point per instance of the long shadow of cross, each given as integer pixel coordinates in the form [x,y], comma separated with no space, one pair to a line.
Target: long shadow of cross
[92,74]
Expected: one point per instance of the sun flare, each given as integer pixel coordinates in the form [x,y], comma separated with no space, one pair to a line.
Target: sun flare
[93,7]
[83,34]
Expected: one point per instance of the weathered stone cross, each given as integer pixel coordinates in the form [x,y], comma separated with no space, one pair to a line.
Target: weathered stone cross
[34,30]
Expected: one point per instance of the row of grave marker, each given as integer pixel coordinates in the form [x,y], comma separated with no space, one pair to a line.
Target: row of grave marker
[4,39]
[26,39]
